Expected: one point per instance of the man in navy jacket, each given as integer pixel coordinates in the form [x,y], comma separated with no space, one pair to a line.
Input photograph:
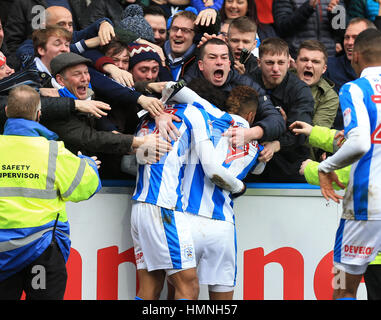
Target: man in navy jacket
[339,69]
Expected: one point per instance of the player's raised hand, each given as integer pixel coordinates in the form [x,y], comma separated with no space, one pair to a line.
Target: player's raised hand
[326,180]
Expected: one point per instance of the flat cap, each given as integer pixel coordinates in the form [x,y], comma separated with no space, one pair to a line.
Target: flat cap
[65,60]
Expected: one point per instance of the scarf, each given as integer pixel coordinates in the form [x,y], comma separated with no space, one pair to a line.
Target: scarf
[64,92]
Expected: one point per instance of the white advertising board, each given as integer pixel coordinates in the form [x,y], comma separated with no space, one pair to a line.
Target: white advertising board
[285,239]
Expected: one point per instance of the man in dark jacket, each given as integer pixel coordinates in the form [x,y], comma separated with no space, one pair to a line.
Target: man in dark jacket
[214,65]
[299,20]
[339,69]
[25,16]
[112,9]
[13,61]
[54,108]
[294,98]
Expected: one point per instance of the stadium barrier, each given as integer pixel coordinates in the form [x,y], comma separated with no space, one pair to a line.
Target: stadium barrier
[285,236]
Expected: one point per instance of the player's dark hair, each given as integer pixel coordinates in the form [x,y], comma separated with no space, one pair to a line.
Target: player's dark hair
[368,44]
[242,100]
[208,91]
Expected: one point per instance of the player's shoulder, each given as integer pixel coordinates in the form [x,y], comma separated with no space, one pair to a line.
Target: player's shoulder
[239,121]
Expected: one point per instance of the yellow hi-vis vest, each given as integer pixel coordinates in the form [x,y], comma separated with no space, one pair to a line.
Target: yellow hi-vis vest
[37,177]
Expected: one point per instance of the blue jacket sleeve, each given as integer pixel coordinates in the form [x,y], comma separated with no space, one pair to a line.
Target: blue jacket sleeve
[90,31]
[112,90]
[199,5]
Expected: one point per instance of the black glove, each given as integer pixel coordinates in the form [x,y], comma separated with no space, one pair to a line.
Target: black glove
[238,194]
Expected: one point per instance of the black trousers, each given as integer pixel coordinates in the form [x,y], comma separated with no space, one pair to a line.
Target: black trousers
[372,278]
[44,279]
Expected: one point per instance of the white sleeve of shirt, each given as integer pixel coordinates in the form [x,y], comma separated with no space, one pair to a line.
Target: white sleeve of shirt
[356,145]
[356,128]
[204,148]
[218,174]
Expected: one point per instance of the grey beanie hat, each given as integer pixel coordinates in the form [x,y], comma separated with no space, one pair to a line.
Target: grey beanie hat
[133,20]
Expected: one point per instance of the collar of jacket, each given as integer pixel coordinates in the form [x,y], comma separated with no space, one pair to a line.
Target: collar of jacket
[188,54]
[279,90]
[27,128]
[324,85]
[347,66]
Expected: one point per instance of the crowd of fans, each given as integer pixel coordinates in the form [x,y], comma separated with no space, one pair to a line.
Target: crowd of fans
[295,53]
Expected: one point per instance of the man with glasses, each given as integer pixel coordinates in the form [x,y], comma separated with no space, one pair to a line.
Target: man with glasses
[179,48]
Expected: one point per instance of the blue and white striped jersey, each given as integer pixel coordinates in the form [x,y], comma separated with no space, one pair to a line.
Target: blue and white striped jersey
[160,183]
[361,104]
[203,197]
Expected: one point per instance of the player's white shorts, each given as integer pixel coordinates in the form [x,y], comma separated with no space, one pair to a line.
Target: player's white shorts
[162,238]
[216,251]
[357,244]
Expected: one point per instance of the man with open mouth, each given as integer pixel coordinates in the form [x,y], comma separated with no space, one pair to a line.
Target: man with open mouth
[241,36]
[179,48]
[311,64]
[79,132]
[214,64]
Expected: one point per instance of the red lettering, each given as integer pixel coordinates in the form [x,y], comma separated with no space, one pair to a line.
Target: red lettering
[323,277]
[378,87]
[376,98]
[74,276]
[293,272]
[376,135]
[236,153]
[107,277]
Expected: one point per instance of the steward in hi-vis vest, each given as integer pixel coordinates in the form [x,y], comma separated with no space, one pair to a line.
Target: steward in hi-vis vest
[37,176]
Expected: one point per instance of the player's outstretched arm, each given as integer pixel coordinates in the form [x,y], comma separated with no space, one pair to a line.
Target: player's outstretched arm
[218,174]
